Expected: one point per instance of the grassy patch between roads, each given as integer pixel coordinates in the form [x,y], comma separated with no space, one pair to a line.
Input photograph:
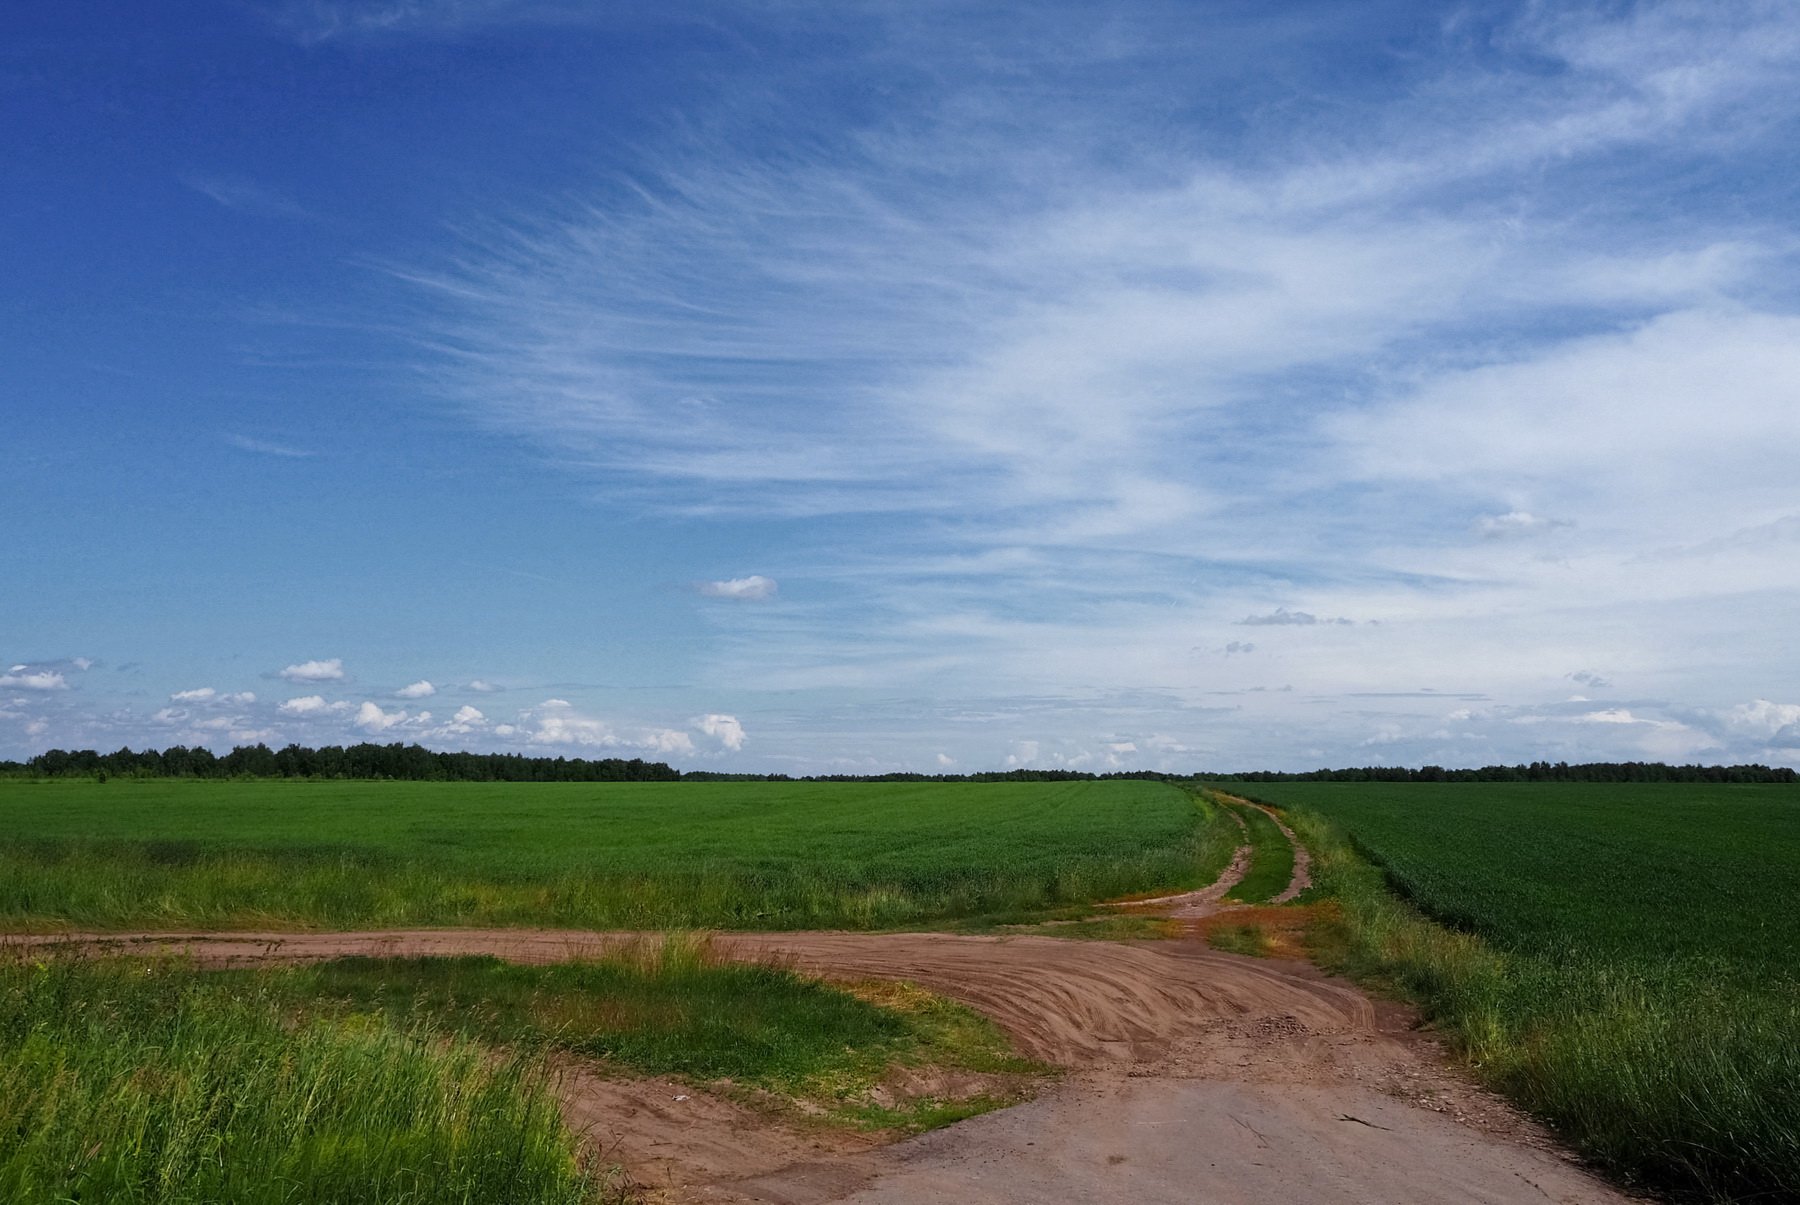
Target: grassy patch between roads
[669,1007]
[175,854]
[1621,960]
[1271,859]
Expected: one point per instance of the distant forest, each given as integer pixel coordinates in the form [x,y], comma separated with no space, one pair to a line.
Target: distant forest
[419,764]
[412,762]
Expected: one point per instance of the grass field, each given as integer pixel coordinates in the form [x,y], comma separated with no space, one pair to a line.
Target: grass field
[161,853]
[1623,959]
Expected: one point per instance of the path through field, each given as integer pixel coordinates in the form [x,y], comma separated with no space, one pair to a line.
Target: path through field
[1191,1076]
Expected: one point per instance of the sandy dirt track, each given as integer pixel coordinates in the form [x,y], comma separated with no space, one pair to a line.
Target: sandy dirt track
[1193,1076]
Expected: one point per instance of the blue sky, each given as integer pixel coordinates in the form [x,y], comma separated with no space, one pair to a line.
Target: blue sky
[849,387]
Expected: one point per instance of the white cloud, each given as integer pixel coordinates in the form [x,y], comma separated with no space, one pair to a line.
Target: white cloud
[25,678]
[418,690]
[266,447]
[754,588]
[83,663]
[1514,523]
[1282,617]
[315,671]
[311,705]
[371,718]
[1764,718]
[945,761]
[198,695]
[1024,753]
[723,729]
[235,192]
[556,722]
[486,688]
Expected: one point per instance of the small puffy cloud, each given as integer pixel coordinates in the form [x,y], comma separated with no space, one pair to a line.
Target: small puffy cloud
[198,695]
[1589,678]
[25,678]
[754,588]
[1764,717]
[418,690]
[1614,715]
[83,663]
[945,761]
[556,722]
[1023,753]
[307,705]
[371,718]
[486,688]
[331,670]
[1514,524]
[1282,617]
[724,729]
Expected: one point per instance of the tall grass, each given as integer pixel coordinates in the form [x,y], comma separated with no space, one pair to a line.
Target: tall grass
[1680,1071]
[645,856]
[128,1083]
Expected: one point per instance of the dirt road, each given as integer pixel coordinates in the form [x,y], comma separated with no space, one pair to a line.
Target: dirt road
[1193,1076]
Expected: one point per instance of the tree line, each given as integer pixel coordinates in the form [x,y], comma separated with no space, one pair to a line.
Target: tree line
[417,763]
[1537,771]
[400,761]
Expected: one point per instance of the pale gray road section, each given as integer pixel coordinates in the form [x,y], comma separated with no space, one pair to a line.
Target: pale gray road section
[1162,1141]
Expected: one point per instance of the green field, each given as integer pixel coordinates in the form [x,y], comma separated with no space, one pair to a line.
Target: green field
[161,853]
[1631,969]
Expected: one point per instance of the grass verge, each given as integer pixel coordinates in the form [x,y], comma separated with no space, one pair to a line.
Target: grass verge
[131,1082]
[1670,1075]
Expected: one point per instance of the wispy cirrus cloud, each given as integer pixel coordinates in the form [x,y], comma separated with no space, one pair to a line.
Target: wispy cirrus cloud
[267,447]
[1089,395]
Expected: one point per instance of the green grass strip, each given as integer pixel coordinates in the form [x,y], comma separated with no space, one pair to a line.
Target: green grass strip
[135,1083]
[1271,859]
[671,1008]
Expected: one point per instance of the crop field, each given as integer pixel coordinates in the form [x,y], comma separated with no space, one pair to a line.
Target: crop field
[1626,961]
[150,853]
